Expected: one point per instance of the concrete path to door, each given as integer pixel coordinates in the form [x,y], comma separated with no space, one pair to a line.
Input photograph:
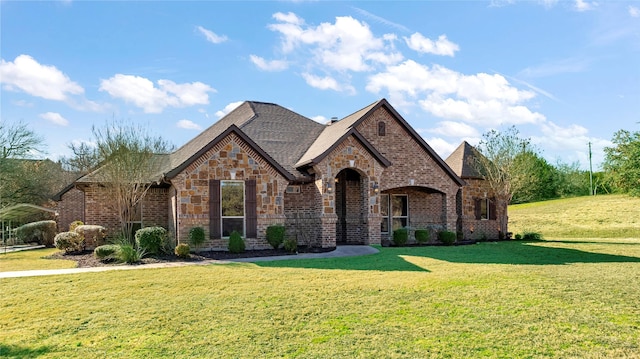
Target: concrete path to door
[340,251]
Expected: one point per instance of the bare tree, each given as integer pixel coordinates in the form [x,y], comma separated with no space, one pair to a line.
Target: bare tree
[131,161]
[18,175]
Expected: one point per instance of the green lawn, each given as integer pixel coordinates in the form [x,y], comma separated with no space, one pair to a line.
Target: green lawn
[558,298]
[32,259]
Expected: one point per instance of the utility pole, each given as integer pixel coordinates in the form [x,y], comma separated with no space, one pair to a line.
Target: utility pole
[590,173]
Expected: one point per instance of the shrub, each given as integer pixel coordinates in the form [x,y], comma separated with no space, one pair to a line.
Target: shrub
[236,243]
[422,236]
[197,236]
[290,245]
[151,239]
[129,254]
[74,224]
[532,236]
[447,237]
[93,235]
[518,236]
[182,250]
[275,235]
[42,232]
[107,252]
[400,237]
[70,242]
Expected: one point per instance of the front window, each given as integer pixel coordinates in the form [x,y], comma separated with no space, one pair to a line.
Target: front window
[232,207]
[400,210]
[395,212]
[384,210]
[484,208]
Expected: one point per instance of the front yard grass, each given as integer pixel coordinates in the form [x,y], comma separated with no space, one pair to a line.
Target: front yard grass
[562,298]
[32,259]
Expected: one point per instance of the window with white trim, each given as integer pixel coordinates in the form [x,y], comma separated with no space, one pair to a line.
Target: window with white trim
[232,207]
[395,212]
[484,208]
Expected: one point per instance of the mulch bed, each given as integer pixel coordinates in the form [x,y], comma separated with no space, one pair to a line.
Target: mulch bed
[86,259]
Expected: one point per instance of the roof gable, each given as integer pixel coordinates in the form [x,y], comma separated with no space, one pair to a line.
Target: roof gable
[462,161]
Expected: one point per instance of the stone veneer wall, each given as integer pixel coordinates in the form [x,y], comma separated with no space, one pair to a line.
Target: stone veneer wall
[192,186]
[70,208]
[474,229]
[369,169]
[409,161]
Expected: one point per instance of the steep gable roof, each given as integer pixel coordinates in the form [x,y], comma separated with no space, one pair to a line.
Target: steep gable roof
[341,129]
[462,161]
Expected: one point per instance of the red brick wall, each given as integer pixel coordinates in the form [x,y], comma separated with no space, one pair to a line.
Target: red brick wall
[409,162]
[474,229]
[70,208]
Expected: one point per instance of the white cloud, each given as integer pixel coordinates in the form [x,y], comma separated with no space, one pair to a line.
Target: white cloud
[211,36]
[273,65]
[454,129]
[442,147]
[188,125]
[327,83]
[144,94]
[29,76]
[634,11]
[320,119]
[228,108]
[55,118]
[23,103]
[346,45]
[573,141]
[381,20]
[582,5]
[442,46]
[484,99]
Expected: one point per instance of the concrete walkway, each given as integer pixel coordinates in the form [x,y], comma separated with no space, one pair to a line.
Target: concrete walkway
[340,251]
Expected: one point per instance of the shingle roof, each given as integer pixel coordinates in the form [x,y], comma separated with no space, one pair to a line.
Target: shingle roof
[280,133]
[462,161]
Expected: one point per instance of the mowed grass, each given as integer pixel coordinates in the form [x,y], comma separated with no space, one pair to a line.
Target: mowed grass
[32,259]
[602,216]
[558,298]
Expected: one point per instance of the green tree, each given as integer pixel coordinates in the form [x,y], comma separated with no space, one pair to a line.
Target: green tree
[500,167]
[622,162]
[131,159]
[541,184]
[570,180]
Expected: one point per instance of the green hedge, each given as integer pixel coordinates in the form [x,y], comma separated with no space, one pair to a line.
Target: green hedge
[41,232]
[70,242]
[151,240]
[400,237]
[275,235]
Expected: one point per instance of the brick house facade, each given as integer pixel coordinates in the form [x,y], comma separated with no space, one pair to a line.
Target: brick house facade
[351,181]
[481,216]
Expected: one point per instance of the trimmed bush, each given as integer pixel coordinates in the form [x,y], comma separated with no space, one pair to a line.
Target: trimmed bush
[69,242]
[197,236]
[290,245]
[518,236]
[447,237]
[400,237]
[41,232]
[422,236]
[532,236]
[182,250]
[93,235]
[151,239]
[236,243]
[74,224]
[107,252]
[275,235]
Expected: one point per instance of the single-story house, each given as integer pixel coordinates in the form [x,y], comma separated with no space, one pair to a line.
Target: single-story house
[350,181]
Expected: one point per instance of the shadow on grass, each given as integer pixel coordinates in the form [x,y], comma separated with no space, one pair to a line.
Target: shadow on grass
[14,351]
[511,252]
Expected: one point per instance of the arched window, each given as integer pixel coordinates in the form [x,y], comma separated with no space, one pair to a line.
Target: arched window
[382,128]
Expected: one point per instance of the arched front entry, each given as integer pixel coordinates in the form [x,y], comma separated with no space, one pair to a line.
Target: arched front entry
[351,207]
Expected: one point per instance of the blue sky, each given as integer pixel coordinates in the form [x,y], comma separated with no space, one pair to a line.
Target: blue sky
[565,73]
